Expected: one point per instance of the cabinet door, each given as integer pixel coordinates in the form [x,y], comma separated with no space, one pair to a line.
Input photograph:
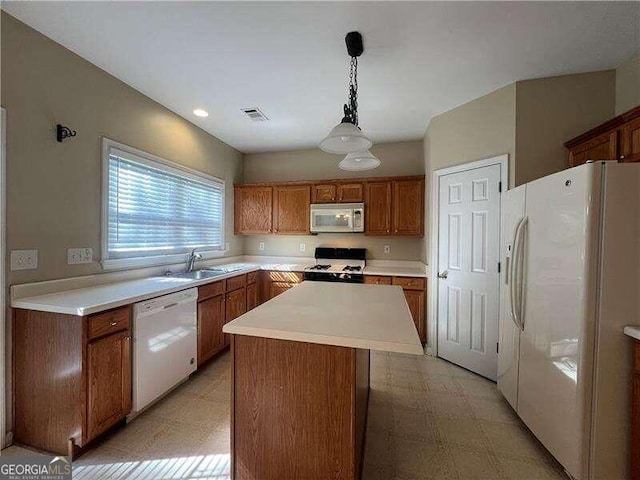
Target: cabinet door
[211,318]
[377,280]
[377,210]
[415,299]
[253,210]
[291,210]
[276,288]
[252,296]
[350,193]
[408,207]
[602,147]
[108,382]
[631,141]
[236,305]
[325,193]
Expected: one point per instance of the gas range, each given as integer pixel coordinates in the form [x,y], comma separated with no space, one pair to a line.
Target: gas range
[337,265]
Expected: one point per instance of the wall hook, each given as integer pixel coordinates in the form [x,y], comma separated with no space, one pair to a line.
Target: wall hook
[63,132]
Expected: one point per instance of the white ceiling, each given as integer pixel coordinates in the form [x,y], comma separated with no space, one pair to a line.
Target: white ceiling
[289,59]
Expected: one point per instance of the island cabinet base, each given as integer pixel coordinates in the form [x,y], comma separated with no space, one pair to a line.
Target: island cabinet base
[298,409]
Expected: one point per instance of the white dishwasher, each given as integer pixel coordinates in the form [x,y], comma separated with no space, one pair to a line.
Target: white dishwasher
[164,345]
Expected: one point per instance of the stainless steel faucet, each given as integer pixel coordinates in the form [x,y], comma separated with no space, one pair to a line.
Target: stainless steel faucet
[193,256]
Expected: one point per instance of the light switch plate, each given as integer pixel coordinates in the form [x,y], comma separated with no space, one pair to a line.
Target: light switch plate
[261,246]
[303,247]
[387,248]
[79,255]
[24,259]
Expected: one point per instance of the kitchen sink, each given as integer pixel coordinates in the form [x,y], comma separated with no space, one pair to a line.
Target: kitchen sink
[222,270]
[201,274]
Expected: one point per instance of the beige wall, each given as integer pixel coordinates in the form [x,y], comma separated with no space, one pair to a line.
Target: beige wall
[550,111]
[628,85]
[482,128]
[54,189]
[403,158]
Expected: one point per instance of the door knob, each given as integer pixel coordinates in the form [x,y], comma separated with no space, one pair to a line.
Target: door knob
[444,274]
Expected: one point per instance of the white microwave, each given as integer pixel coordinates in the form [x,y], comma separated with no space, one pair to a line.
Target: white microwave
[337,217]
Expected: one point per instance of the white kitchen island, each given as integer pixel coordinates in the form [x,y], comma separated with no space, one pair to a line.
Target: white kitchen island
[300,377]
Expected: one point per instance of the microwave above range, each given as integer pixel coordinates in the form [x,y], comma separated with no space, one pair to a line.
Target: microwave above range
[337,218]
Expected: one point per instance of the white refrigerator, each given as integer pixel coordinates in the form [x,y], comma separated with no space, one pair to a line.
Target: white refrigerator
[570,245]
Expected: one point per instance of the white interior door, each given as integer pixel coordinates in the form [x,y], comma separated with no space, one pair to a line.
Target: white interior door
[468,256]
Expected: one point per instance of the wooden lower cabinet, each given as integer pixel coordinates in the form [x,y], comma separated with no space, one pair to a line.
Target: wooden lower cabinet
[635,415]
[252,296]
[236,305]
[211,319]
[93,395]
[415,300]
[274,282]
[298,410]
[109,382]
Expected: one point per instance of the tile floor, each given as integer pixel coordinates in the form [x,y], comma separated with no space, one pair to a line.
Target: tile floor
[428,419]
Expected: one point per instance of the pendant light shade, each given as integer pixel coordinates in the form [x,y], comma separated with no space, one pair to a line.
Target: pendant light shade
[345,138]
[359,161]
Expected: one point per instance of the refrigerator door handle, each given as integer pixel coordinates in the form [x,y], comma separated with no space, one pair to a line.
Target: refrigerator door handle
[512,275]
[518,279]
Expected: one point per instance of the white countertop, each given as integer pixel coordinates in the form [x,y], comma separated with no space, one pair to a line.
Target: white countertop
[90,299]
[633,332]
[94,299]
[374,317]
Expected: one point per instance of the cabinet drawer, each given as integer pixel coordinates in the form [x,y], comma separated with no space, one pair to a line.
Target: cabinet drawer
[410,283]
[252,277]
[377,280]
[210,290]
[234,283]
[109,322]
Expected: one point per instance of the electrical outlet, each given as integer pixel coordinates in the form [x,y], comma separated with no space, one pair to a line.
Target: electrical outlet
[303,247]
[226,246]
[79,255]
[387,249]
[261,246]
[24,259]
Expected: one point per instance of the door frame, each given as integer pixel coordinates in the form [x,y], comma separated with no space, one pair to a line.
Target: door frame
[432,314]
[3,297]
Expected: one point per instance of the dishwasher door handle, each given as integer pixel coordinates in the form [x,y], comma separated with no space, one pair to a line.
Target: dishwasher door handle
[170,305]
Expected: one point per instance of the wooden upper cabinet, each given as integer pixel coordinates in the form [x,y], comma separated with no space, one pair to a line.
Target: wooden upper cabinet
[408,207]
[108,382]
[377,208]
[323,193]
[350,193]
[617,139]
[291,210]
[631,141]
[253,209]
[602,147]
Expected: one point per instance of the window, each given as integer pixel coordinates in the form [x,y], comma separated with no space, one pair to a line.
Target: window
[155,211]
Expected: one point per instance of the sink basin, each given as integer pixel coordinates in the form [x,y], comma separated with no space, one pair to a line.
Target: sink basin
[200,274]
[222,270]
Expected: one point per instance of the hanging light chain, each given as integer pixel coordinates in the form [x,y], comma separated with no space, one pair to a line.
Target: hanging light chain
[353,89]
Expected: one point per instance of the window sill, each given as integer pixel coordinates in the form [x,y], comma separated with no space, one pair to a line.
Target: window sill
[156,261]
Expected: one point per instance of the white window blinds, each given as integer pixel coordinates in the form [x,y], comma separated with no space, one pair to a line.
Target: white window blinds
[156,209]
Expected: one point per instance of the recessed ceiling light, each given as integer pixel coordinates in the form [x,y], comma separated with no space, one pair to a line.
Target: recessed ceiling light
[200,113]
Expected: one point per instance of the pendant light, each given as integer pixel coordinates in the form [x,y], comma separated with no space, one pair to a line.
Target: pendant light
[346,137]
[364,160]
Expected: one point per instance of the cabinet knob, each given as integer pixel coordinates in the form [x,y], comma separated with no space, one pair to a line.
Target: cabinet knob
[114,323]
[127,338]
[621,157]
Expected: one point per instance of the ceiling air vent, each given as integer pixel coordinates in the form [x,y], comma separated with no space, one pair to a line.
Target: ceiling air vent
[255,114]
